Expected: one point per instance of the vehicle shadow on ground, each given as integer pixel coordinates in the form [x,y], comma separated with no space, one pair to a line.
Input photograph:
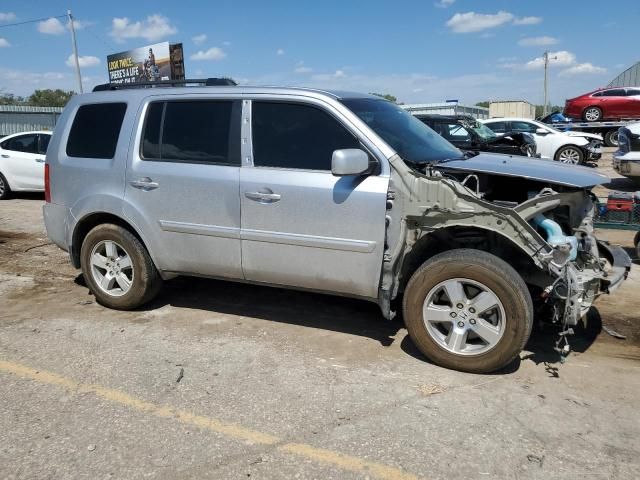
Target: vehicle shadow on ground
[339,314]
[27,196]
[623,185]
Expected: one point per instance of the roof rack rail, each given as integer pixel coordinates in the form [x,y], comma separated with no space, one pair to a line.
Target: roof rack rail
[207,82]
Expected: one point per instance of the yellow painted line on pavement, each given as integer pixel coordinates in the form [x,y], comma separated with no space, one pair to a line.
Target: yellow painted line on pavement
[231,430]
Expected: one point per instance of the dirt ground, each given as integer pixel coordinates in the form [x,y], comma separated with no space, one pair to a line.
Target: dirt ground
[221,380]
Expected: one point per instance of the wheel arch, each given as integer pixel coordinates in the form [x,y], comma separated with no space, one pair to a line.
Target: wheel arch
[578,147]
[92,220]
[456,237]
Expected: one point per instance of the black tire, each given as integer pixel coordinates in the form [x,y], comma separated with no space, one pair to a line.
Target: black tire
[577,153]
[5,189]
[636,242]
[594,114]
[490,271]
[146,282]
[611,138]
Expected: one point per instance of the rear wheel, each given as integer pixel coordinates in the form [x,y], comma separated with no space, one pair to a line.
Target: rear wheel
[570,154]
[5,190]
[468,310]
[611,138]
[118,268]
[592,114]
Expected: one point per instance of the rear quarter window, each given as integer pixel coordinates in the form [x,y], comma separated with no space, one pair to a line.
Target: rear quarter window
[95,130]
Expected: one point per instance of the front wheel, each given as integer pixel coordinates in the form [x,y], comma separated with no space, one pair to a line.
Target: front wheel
[570,154]
[468,310]
[118,268]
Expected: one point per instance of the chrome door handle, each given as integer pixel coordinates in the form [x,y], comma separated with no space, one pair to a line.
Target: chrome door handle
[262,197]
[5,156]
[40,160]
[144,184]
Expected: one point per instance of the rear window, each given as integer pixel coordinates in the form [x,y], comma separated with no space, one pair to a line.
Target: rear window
[95,130]
[190,131]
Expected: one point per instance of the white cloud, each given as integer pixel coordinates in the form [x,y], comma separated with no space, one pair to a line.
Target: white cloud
[4,43]
[86,61]
[583,69]
[199,39]
[444,3]
[475,22]
[527,21]
[214,53]
[7,17]
[339,74]
[80,24]
[537,41]
[153,28]
[226,44]
[52,26]
[280,52]
[561,58]
[302,69]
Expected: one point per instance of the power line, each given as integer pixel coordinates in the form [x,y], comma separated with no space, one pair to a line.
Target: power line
[31,21]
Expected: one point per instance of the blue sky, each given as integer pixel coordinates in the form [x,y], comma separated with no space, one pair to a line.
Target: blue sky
[420,51]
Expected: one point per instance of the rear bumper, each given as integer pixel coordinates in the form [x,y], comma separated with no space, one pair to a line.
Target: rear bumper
[627,164]
[55,221]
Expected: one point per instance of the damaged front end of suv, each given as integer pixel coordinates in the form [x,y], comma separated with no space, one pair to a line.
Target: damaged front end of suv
[537,215]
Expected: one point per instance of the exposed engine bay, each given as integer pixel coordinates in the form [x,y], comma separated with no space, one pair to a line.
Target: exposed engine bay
[542,224]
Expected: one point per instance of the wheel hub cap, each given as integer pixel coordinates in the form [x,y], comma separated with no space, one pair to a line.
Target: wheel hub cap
[111,268]
[464,316]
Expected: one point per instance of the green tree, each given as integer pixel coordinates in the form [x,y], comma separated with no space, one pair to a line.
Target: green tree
[10,99]
[50,98]
[386,96]
[483,104]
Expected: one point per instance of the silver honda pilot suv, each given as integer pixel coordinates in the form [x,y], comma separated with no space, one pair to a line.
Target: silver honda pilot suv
[331,192]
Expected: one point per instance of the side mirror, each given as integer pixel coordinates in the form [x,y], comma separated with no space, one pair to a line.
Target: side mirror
[541,131]
[349,161]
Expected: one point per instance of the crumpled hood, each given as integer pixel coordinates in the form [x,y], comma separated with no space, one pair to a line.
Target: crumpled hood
[588,136]
[532,168]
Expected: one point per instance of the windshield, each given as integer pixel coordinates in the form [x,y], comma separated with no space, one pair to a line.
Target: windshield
[413,140]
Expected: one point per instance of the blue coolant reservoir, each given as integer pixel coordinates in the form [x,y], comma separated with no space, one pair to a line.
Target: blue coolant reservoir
[555,236]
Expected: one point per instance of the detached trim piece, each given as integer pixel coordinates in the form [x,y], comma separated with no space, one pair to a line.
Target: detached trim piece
[330,243]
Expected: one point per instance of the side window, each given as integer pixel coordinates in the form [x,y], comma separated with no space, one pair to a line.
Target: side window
[633,92]
[498,127]
[616,92]
[523,127]
[43,143]
[288,135]
[191,131]
[597,94]
[458,133]
[95,130]
[22,143]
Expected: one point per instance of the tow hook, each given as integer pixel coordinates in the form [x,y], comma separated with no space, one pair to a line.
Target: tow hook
[565,349]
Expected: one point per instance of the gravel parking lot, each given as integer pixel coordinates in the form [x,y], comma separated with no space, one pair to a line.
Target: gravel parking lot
[221,380]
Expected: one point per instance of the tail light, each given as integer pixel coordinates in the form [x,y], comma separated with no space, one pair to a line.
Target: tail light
[47,185]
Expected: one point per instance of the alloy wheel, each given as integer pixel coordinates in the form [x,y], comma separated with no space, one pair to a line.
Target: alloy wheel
[463,316]
[592,114]
[570,155]
[111,268]
[3,187]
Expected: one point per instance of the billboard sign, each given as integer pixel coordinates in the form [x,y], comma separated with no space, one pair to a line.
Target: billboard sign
[151,63]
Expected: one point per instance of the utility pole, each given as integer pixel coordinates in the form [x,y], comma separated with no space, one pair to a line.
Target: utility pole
[74,45]
[545,58]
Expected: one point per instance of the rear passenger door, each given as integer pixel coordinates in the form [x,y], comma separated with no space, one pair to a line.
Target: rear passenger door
[182,185]
[302,226]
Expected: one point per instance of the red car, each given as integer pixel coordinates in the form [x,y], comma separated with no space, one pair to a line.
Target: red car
[605,104]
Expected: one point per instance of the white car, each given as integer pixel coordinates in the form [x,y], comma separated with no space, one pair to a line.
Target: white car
[566,147]
[22,158]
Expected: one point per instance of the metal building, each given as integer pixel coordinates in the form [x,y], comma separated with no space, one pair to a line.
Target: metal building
[21,118]
[629,78]
[446,108]
[512,108]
